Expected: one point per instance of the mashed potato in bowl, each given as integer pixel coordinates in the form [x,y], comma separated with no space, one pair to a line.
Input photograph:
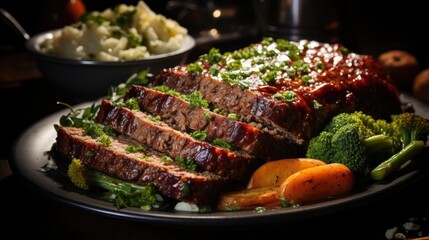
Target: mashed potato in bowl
[121,33]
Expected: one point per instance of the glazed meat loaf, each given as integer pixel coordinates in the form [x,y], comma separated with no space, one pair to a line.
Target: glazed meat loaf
[178,114]
[291,88]
[235,165]
[142,168]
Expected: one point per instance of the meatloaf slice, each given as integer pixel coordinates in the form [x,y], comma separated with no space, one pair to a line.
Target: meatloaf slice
[169,178]
[236,165]
[181,116]
[292,87]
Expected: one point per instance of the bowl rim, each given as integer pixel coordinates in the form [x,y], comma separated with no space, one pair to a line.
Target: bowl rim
[33,45]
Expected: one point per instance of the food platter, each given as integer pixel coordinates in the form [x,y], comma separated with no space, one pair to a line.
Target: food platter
[30,155]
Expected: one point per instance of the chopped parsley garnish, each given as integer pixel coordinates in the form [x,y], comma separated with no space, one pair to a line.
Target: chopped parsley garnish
[134,149]
[131,103]
[272,62]
[166,159]
[213,57]
[306,79]
[291,72]
[288,96]
[244,53]
[188,163]
[156,118]
[195,67]
[232,116]
[232,208]
[199,135]
[236,78]
[260,209]
[316,104]
[104,140]
[270,76]
[93,130]
[107,129]
[167,90]
[319,65]
[222,143]
[285,203]
[214,70]
[195,99]
[207,115]
[235,65]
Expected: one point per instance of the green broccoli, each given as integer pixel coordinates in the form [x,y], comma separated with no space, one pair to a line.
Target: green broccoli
[392,164]
[361,142]
[121,193]
[348,148]
[412,130]
[365,122]
[359,152]
[410,127]
[320,147]
[352,144]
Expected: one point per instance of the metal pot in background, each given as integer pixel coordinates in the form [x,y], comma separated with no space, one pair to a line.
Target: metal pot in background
[299,19]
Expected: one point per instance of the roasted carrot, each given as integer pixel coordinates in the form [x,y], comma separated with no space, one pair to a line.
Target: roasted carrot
[266,197]
[275,172]
[317,183]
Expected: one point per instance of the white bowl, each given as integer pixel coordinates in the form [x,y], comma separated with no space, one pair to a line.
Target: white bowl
[92,79]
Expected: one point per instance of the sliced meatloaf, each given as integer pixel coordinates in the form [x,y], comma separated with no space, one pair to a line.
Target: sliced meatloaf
[290,87]
[169,178]
[236,165]
[178,114]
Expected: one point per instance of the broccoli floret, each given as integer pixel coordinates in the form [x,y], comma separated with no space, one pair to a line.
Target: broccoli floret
[320,147]
[410,127]
[366,123]
[369,146]
[351,139]
[412,130]
[348,148]
[383,127]
[121,193]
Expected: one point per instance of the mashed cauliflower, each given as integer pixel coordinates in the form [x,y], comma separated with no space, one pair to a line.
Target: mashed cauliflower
[117,34]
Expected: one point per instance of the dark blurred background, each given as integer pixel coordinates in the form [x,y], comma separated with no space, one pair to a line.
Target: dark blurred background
[364,26]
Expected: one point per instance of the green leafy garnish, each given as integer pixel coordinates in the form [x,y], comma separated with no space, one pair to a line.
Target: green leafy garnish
[188,163]
[199,135]
[134,149]
[121,193]
[222,143]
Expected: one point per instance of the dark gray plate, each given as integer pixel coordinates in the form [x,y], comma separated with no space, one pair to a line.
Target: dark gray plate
[29,155]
